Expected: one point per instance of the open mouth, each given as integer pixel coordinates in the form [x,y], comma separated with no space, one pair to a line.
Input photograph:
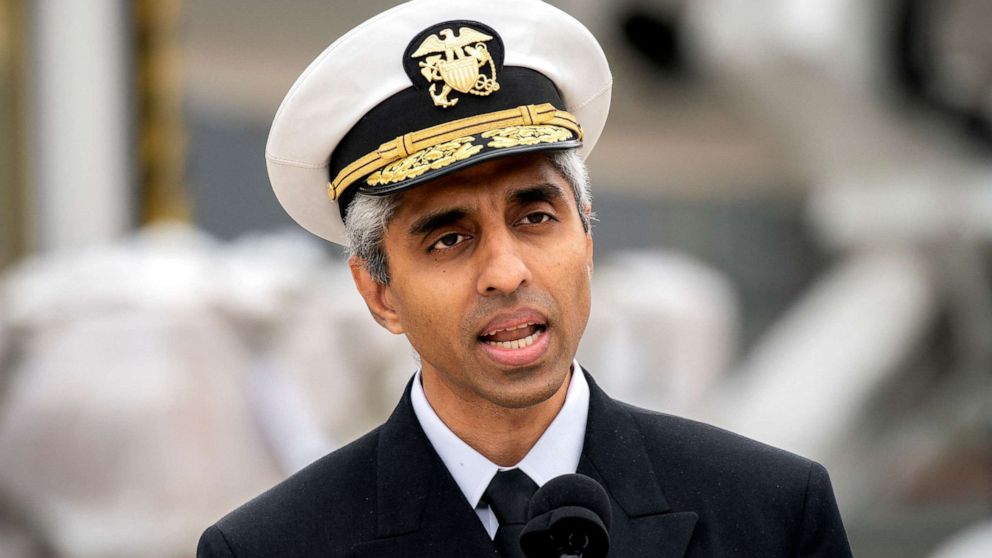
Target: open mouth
[516,337]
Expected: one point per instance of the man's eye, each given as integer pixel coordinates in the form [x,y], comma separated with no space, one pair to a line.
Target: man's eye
[448,241]
[536,218]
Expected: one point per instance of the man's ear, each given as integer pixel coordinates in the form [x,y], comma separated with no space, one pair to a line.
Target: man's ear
[377,296]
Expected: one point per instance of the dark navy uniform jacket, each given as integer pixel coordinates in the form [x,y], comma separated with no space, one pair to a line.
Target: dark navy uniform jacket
[678,488]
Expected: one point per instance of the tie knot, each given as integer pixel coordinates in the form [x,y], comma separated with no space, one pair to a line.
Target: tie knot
[509,495]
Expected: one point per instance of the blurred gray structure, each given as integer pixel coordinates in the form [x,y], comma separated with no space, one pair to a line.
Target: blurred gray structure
[904,203]
[124,421]
[82,145]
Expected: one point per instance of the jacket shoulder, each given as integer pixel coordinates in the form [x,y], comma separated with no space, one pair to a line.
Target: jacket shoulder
[326,506]
[705,467]
[747,494]
[713,449]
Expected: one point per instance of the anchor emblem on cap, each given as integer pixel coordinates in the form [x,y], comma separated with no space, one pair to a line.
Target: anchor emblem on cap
[456,61]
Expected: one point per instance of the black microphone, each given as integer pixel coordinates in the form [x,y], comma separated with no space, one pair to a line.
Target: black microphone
[568,517]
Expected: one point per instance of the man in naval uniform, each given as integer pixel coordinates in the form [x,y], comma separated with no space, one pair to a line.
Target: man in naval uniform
[443,142]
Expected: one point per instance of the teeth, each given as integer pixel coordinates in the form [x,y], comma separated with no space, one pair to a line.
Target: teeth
[518,343]
[495,331]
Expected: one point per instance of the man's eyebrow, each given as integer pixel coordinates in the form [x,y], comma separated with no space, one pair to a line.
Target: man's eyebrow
[544,192]
[436,220]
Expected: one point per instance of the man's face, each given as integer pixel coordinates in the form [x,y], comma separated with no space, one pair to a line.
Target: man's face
[490,270]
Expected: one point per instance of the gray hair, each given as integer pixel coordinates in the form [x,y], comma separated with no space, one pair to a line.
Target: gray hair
[368,216]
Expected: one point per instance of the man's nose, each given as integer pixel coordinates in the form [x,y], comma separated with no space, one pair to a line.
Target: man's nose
[503,268]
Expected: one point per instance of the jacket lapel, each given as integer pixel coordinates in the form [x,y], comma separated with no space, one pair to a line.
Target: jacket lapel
[644,525]
[420,509]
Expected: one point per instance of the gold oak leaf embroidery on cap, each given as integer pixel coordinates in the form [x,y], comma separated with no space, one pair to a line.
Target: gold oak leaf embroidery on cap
[432,158]
[455,61]
[526,135]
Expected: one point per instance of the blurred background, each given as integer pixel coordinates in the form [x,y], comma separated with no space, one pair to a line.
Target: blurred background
[794,242]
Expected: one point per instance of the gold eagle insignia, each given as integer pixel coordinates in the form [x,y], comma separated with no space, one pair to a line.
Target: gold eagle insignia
[455,62]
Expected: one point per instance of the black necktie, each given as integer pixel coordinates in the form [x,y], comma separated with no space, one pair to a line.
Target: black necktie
[508,495]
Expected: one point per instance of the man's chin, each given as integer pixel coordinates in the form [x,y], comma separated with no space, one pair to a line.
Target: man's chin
[530,388]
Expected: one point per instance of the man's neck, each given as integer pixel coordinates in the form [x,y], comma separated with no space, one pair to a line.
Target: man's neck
[504,435]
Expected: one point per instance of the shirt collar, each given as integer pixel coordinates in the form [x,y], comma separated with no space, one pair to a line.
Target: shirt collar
[556,452]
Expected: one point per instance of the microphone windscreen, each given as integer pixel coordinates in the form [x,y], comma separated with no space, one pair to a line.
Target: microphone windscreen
[568,516]
[572,490]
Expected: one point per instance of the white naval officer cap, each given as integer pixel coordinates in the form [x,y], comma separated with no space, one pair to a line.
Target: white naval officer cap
[427,88]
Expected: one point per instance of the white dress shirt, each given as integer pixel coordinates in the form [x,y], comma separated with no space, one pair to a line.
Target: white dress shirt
[556,452]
